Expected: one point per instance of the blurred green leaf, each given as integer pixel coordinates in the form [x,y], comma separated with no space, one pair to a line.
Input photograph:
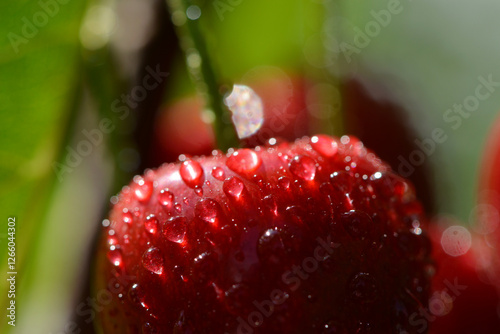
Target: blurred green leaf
[39,71]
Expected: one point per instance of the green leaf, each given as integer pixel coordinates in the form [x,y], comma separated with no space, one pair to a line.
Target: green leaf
[39,71]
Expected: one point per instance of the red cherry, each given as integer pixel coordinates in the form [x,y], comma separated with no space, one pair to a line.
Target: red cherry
[291,238]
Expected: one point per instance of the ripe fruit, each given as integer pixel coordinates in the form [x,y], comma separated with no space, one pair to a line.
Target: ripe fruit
[316,236]
[462,301]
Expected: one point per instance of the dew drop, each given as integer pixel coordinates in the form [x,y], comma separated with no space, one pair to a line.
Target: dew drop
[115,256]
[233,188]
[218,173]
[270,247]
[175,229]
[204,266]
[152,260]
[166,198]
[237,296]
[244,161]
[303,167]
[127,217]
[208,210]
[363,288]
[151,224]
[324,145]
[284,183]
[143,190]
[198,190]
[342,181]
[357,223]
[191,173]
[178,207]
[137,296]
[270,205]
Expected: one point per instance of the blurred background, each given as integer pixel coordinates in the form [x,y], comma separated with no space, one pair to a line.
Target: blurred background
[94,92]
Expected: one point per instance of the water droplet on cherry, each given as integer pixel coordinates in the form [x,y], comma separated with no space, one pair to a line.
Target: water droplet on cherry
[175,229]
[127,218]
[270,247]
[191,173]
[166,198]
[342,181]
[244,161]
[324,145]
[115,256]
[357,223]
[218,173]
[151,224]
[363,288]
[137,296]
[143,190]
[208,210]
[199,191]
[152,260]
[178,207]
[303,167]
[284,183]
[204,266]
[233,188]
[270,205]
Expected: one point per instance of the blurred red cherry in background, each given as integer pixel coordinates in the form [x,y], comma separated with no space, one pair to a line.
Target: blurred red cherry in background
[463,301]
[180,129]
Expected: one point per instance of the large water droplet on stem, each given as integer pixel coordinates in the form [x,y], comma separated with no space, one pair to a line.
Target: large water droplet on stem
[247,109]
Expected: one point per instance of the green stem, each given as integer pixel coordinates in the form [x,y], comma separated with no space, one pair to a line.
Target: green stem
[203,73]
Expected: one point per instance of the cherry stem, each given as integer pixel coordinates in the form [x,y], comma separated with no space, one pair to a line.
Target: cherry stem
[202,71]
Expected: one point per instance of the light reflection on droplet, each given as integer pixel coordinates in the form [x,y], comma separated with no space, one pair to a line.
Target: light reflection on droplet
[247,109]
[98,25]
[456,240]
[193,59]
[193,12]
[178,17]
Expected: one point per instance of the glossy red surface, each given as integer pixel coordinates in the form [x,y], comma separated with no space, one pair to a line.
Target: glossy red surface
[316,236]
